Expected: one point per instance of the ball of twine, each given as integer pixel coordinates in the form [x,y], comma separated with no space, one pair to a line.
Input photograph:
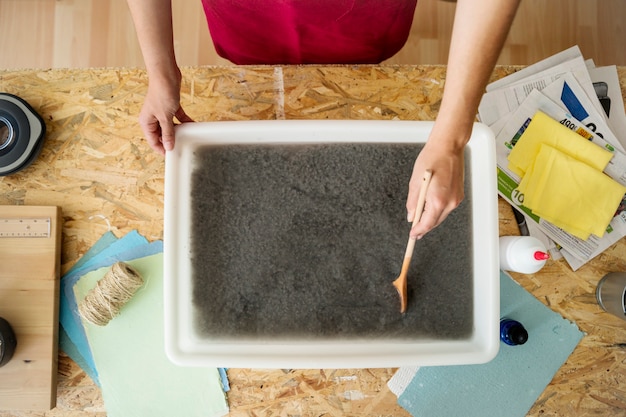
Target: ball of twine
[112,292]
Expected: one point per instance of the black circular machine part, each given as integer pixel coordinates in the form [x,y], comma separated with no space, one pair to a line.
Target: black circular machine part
[8,342]
[21,134]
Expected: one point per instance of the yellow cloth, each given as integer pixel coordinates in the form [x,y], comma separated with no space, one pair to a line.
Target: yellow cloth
[544,129]
[570,194]
[562,180]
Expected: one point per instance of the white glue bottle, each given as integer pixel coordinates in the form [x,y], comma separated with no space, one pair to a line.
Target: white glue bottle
[524,254]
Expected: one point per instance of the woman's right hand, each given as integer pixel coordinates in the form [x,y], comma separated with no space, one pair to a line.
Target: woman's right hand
[161,107]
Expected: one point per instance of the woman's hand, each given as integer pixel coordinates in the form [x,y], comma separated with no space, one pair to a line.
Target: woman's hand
[160,108]
[446,189]
[480,28]
[153,23]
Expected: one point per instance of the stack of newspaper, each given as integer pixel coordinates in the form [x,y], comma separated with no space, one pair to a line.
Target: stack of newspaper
[585,98]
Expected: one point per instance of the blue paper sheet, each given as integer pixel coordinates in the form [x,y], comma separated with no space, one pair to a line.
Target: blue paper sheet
[65,342]
[510,384]
[137,377]
[105,252]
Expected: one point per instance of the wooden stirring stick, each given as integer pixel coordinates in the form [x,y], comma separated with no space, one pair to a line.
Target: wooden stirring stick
[400,282]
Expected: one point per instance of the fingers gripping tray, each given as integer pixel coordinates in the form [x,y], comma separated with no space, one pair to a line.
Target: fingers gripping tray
[282,240]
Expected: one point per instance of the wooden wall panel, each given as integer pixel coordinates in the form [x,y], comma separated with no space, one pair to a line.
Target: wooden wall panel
[100,33]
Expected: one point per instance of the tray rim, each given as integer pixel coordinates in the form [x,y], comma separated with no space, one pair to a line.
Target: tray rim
[183,348]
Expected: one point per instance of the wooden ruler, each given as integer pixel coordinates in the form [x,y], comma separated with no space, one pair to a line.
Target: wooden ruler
[30,251]
[25,227]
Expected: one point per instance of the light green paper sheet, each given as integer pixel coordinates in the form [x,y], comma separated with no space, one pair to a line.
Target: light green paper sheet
[136,377]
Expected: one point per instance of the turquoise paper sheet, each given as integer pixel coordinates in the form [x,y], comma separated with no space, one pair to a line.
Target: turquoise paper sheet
[510,384]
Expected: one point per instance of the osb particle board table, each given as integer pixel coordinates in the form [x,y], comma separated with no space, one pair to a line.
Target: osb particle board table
[98,169]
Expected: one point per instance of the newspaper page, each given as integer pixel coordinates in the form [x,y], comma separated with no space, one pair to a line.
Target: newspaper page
[606,83]
[497,103]
[576,251]
[552,61]
[567,92]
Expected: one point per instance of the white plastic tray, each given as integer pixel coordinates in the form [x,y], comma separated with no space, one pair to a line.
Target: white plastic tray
[184,347]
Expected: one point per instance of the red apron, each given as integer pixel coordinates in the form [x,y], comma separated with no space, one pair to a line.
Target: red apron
[308,31]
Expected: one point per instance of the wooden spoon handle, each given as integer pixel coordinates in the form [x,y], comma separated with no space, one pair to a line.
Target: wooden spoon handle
[421,201]
[400,283]
[421,198]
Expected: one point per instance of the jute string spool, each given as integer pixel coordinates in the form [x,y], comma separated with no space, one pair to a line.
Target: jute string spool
[112,292]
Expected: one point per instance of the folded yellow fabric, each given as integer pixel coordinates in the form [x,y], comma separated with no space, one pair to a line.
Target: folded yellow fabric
[569,193]
[544,129]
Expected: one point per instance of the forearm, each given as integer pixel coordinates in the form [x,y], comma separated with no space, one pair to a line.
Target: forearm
[480,29]
[153,25]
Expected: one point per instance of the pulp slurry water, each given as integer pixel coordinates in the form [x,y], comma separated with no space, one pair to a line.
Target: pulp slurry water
[304,241]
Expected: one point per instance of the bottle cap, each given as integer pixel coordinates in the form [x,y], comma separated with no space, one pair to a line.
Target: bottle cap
[541,256]
[518,334]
